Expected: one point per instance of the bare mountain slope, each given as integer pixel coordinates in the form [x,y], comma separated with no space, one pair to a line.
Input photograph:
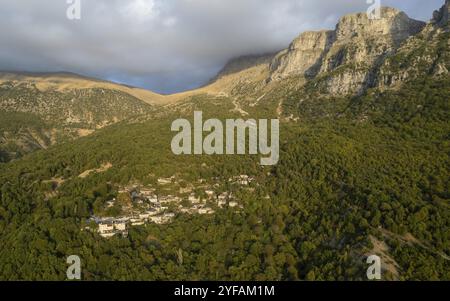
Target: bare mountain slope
[63,82]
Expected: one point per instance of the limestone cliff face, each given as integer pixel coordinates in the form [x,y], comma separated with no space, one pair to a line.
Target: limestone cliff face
[361,47]
[348,55]
[425,53]
[362,41]
[303,56]
[360,53]
[393,23]
[441,17]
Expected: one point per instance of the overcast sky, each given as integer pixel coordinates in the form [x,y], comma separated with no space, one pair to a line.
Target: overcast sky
[163,45]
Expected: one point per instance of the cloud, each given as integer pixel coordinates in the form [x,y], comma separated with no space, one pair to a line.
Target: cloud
[163,45]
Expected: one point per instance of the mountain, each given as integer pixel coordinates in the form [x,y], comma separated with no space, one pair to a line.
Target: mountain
[349,55]
[424,53]
[360,54]
[56,107]
[348,60]
[441,16]
[363,170]
[64,81]
[44,109]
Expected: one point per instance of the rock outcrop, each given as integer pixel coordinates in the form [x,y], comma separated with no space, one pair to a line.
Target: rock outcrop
[348,55]
[393,23]
[304,55]
[425,53]
[441,17]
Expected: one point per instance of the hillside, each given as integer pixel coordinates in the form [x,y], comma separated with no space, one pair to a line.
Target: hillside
[42,110]
[342,182]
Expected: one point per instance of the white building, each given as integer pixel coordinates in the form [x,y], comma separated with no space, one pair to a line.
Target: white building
[105,227]
[194,199]
[107,235]
[152,199]
[156,219]
[210,194]
[138,223]
[144,216]
[169,199]
[162,219]
[120,226]
[146,192]
[108,229]
[233,204]
[205,211]
[223,196]
[164,181]
[221,203]
[152,212]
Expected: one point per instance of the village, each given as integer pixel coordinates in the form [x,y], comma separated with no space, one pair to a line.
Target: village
[145,205]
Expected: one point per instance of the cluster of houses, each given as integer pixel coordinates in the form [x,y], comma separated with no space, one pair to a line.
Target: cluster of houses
[243,180]
[110,227]
[148,207]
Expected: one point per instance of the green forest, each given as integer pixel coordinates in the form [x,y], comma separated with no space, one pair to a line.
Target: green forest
[352,171]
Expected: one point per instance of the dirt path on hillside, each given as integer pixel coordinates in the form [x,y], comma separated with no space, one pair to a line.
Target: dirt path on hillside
[238,108]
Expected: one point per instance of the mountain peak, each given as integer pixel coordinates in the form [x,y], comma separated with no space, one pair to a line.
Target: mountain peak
[441,16]
[356,39]
[393,22]
[303,54]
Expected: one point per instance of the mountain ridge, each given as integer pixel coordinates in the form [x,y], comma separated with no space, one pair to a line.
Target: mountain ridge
[357,55]
[275,60]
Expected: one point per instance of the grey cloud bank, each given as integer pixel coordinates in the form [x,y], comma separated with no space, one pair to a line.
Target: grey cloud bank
[163,45]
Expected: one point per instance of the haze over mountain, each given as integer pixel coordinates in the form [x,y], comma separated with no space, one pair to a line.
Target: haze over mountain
[162,46]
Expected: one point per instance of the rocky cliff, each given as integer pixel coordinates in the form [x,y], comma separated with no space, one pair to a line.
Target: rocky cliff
[348,55]
[425,53]
[441,17]
[304,55]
